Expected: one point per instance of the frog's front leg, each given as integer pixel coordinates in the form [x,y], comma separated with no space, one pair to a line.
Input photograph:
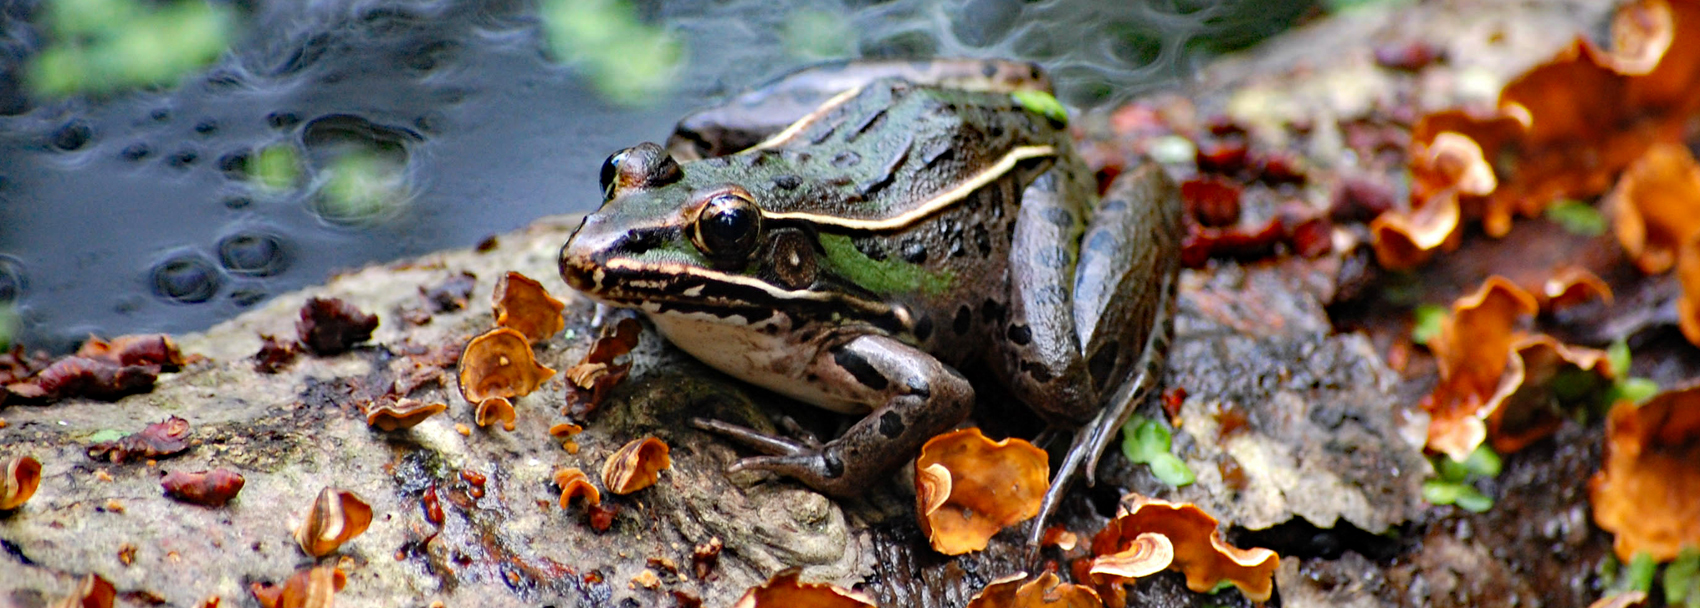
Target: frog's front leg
[913,395]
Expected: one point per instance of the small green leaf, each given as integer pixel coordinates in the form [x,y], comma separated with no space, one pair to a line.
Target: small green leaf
[1441,492]
[1472,500]
[1451,470]
[1427,324]
[1043,104]
[106,435]
[1633,390]
[1578,218]
[1171,470]
[1608,570]
[1618,356]
[1483,462]
[1642,567]
[1682,578]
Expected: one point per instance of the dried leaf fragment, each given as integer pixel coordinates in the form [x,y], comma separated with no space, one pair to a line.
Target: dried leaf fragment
[522,304]
[336,517]
[402,413]
[1198,549]
[141,349]
[330,326]
[968,487]
[635,466]
[165,438]
[1647,491]
[496,410]
[785,591]
[499,363]
[92,592]
[206,488]
[1046,591]
[23,476]
[574,483]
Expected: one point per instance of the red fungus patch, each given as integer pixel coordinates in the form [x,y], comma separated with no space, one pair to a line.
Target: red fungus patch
[329,326]
[206,488]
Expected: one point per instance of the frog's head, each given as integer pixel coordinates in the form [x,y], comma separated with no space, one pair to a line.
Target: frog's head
[660,237]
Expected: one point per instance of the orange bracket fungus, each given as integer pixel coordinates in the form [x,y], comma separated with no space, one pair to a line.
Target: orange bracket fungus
[968,487]
[402,414]
[574,484]
[590,380]
[208,489]
[1573,286]
[1656,215]
[336,517]
[92,592]
[785,591]
[1647,491]
[499,363]
[1046,591]
[1197,548]
[637,465]
[494,410]
[1493,377]
[313,587]
[523,305]
[23,476]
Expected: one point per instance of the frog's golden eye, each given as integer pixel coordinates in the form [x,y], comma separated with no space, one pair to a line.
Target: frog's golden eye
[610,170]
[727,227]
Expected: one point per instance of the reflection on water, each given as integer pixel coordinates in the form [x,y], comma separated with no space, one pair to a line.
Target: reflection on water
[337,133]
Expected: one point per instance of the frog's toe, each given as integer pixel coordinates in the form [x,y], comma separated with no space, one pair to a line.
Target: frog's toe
[814,469]
[756,440]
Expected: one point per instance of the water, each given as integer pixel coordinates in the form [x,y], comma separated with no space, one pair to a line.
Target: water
[336,134]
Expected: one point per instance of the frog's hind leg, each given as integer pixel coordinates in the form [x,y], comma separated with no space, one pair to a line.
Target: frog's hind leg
[1095,355]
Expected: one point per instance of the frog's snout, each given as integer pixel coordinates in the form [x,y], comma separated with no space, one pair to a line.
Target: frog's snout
[580,263]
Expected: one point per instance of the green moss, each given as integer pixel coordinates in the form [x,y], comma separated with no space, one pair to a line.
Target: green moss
[884,277]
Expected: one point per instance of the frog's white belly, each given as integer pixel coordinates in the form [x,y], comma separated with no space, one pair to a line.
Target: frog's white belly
[766,353]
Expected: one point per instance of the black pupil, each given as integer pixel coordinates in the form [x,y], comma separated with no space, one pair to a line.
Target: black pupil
[610,167]
[728,228]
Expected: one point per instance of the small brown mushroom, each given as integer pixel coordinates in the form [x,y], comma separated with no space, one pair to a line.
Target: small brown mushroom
[92,592]
[402,414]
[525,306]
[637,465]
[1046,591]
[574,483]
[23,476]
[336,517]
[494,410]
[499,363]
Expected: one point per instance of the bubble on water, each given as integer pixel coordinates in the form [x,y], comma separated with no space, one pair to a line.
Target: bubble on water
[72,136]
[187,278]
[361,169]
[253,254]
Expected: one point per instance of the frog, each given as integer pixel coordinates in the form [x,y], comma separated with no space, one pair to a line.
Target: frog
[854,236]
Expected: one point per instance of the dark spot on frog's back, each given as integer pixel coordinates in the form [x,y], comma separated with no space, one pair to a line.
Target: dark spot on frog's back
[1020,334]
[924,328]
[915,252]
[1102,243]
[891,425]
[964,320]
[846,158]
[992,311]
[1059,217]
[861,369]
[787,182]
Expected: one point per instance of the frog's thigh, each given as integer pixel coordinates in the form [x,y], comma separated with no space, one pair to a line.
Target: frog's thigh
[1129,253]
[1039,353]
[914,397]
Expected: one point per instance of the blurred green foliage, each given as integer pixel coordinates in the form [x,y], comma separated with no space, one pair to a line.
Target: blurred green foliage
[629,62]
[1627,388]
[100,46]
[8,324]
[361,188]
[815,35]
[1577,217]
[1682,579]
[276,167]
[1455,484]
[1427,323]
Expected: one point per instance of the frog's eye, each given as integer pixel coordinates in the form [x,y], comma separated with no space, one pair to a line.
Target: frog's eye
[727,227]
[611,170]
